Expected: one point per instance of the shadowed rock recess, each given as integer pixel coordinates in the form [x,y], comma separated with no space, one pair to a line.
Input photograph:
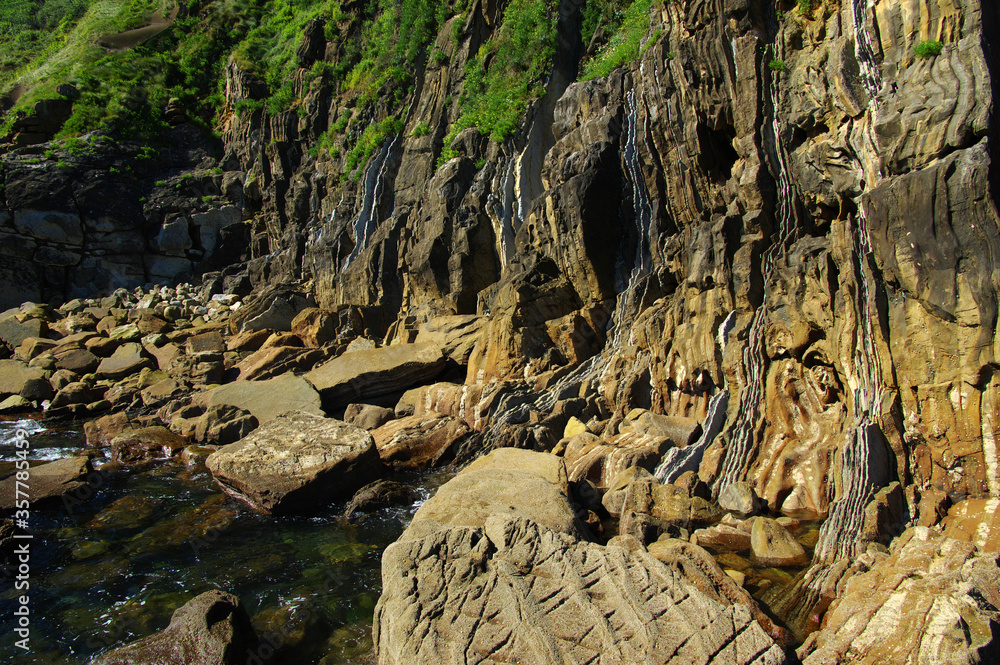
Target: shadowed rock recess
[737,295]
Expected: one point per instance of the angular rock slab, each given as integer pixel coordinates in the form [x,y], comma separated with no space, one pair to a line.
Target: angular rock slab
[514,592]
[266,400]
[210,629]
[48,481]
[295,462]
[933,600]
[14,374]
[370,372]
[419,442]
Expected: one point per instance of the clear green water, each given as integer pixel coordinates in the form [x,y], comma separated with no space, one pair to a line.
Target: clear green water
[115,567]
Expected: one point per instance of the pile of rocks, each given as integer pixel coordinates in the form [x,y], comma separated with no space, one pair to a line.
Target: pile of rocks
[94,355]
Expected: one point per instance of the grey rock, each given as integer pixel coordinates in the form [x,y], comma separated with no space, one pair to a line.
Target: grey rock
[296,462]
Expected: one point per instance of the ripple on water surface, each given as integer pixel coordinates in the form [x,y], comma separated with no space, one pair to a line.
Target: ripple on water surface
[116,567]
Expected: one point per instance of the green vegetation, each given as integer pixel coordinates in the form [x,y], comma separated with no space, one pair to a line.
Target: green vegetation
[506,73]
[806,7]
[624,45]
[373,136]
[422,129]
[928,48]
[777,65]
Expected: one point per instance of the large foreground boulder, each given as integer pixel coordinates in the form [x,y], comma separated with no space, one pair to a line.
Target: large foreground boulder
[515,592]
[933,600]
[210,629]
[296,462]
[371,372]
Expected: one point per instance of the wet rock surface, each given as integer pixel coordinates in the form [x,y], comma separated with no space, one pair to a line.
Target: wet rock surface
[210,629]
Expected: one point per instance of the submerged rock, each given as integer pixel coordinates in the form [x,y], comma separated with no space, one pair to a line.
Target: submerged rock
[296,462]
[772,545]
[210,629]
[379,494]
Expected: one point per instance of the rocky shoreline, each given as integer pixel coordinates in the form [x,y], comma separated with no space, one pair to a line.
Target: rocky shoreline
[711,340]
[599,557]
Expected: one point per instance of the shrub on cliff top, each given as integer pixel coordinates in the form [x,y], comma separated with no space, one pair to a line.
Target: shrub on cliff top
[507,72]
[624,45]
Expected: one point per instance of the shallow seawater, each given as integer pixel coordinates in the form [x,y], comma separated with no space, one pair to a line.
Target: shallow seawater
[114,567]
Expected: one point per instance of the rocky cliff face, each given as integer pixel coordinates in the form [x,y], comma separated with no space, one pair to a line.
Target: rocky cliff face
[781,226]
[796,212]
[785,224]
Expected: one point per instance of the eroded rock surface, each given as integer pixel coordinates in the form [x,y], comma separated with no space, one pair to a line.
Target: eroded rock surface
[512,591]
[933,599]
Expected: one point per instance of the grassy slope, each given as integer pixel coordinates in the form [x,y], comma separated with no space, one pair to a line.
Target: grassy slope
[56,41]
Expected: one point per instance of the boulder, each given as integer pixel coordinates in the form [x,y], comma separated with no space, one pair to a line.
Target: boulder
[144,444]
[509,482]
[48,482]
[78,392]
[267,399]
[380,494]
[513,591]
[457,335]
[210,629]
[14,374]
[976,521]
[14,404]
[101,431]
[37,390]
[601,460]
[367,416]
[315,327]
[295,462]
[651,510]
[772,545]
[373,372]
[932,599]
[223,424]
[79,361]
[450,399]
[419,442]
[740,497]
[127,359]
[722,537]
[268,362]
[681,431]
[208,342]
[614,497]
[13,332]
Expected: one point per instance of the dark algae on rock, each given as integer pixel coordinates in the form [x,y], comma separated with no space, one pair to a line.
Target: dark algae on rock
[696,298]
